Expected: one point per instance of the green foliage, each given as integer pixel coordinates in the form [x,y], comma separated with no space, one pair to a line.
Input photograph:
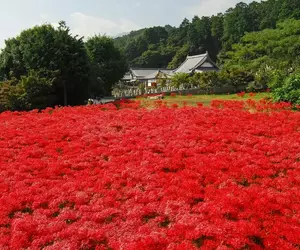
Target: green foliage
[215,34]
[44,66]
[108,65]
[268,49]
[159,47]
[208,80]
[53,52]
[179,57]
[237,21]
[205,80]
[30,92]
[162,82]
[37,90]
[180,79]
[123,41]
[272,55]
[238,79]
[8,90]
[288,91]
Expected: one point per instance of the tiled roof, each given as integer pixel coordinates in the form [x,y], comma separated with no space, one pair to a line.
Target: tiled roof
[154,74]
[151,76]
[149,73]
[191,63]
[141,73]
[188,66]
[167,71]
[127,77]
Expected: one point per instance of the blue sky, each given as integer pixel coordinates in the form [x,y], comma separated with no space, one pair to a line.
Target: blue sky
[111,17]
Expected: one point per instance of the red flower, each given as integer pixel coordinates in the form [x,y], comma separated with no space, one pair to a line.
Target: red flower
[119,176]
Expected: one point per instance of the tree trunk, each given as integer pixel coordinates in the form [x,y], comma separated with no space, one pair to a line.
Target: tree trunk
[65,94]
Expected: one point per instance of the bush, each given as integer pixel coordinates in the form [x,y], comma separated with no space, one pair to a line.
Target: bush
[289,91]
[31,92]
[180,79]
[11,96]
[240,79]
[38,91]
[261,80]
[4,90]
[237,78]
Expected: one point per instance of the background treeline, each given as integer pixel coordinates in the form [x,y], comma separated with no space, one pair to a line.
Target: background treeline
[44,66]
[265,59]
[256,45]
[168,46]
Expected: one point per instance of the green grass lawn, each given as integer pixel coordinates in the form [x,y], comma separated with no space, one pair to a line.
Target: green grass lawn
[205,99]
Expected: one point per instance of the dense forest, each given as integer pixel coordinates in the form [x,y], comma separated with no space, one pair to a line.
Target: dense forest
[168,46]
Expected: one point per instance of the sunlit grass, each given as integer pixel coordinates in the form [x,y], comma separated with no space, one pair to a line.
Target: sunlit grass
[205,99]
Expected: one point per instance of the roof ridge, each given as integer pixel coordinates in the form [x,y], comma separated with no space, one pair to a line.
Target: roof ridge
[144,69]
[195,56]
[150,69]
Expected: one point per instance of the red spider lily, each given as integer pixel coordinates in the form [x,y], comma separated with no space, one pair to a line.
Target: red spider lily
[241,94]
[119,176]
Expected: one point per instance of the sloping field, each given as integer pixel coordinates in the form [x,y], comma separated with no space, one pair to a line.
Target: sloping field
[98,177]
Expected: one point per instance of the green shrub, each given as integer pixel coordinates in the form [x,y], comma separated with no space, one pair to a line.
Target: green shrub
[289,91]
[11,96]
[37,91]
[31,92]
[180,79]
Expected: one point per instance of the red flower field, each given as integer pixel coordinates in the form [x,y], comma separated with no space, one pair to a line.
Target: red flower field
[98,177]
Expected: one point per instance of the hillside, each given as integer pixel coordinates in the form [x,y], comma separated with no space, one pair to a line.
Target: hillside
[168,46]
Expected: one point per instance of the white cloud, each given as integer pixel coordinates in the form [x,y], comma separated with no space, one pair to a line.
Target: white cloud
[85,25]
[44,16]
[213,7]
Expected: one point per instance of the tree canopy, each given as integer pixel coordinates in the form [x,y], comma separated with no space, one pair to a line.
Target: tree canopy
[54,54]
[271,48]
[108,65]
[168,46]
[44,66]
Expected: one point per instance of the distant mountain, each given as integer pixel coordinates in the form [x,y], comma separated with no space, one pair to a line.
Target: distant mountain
[120,35]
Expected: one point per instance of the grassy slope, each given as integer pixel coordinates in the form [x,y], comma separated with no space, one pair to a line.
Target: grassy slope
[205,99]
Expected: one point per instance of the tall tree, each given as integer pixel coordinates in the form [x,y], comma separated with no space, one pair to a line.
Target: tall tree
[236,23]
[107,62]
[290,9]
[217,31]
[268,49]
[56,55]
[269,12]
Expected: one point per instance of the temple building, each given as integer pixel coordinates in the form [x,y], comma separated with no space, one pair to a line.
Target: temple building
[150,77]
